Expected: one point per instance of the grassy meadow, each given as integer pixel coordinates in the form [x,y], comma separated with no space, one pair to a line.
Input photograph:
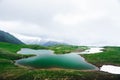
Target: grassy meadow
[10,71]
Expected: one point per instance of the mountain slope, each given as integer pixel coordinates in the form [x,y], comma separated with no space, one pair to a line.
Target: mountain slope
[6,37]
[27,39]
[37,40]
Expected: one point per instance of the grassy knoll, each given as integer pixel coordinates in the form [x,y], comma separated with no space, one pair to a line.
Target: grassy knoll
[62,49]
[9,71]
[59,49]
[111,55]
[15,47]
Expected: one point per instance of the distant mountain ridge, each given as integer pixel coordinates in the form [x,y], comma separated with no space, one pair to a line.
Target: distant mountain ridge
[37,40]
[6,37]
[50,43]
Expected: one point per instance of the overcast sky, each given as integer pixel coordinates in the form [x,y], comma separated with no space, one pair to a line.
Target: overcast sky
[83,22]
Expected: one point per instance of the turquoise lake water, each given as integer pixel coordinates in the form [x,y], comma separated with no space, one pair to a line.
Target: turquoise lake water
[47,59]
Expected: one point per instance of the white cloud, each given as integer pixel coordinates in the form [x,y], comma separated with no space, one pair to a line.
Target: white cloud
[22,27]
[74,21]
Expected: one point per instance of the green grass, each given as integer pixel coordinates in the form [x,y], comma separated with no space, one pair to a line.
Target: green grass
[9,71]
[15,47]
[10,47]
[62,49]
[59,49]
[111,55]
[4,54]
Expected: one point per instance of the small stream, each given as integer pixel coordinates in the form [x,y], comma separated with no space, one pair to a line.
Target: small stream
[47,59]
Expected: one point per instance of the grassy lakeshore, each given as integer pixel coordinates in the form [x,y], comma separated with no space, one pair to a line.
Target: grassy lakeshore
[110,56]
[9,71]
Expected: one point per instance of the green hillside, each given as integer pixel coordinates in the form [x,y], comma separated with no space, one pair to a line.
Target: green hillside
[111,55]
[6,37]
[14,47]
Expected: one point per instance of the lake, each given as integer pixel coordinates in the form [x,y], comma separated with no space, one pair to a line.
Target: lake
[46,59]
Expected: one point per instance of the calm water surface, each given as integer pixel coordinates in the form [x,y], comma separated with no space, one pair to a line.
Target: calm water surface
[47,59]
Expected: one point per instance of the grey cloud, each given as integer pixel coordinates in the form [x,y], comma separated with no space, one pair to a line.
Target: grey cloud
[36,11]
[80,21]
